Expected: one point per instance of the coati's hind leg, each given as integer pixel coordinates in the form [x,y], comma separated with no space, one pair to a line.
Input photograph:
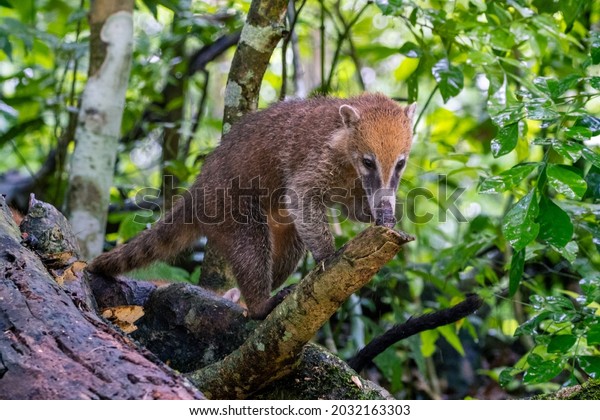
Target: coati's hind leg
[251,263]
[288,249]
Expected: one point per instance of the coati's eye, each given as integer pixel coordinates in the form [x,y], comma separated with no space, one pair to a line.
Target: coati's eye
[369,164]
[400,165]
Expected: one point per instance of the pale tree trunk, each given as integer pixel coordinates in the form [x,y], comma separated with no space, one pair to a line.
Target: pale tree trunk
[100,115]
[264,27]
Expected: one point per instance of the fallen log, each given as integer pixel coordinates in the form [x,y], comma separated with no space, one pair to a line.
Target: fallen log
[54,346]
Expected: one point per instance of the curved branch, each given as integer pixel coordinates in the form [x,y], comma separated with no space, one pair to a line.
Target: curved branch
[414,326]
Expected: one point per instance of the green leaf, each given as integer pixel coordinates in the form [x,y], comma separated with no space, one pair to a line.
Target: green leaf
[556,227]
[579,133]
[529,327]
[130,226]
[507,180]
[519,224]
[6,3]
[568,149]
[595,82]
[449,333]
[590,365]
[540,110]
[410,49]
[507,376]
[449,78]
[506,140]
[591,156]
[561,343]
[161,271]
[542,371]
[593,335]
[595,47]
[517,264]
[566,182]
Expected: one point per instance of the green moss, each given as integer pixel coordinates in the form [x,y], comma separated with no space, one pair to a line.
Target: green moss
[321,375]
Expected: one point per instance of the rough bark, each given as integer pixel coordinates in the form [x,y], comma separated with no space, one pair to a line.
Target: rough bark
[264,27]
[100,115]
[53,345]
[273,348]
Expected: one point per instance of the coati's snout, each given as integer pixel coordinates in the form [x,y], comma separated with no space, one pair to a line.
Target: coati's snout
[384,215]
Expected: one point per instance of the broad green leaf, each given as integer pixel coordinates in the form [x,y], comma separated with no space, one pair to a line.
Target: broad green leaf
[130,227]
[506,140]
[449,78]
[554,87]
[517,264]
[566,182]
[529,327]
[593,335]
[509,115]
[543,372]
[449,333]
[556,227]
[590,122]
[591,156]
[6,3]
[595,82]
[568,149]
[561,343]
[507,180]
[507,375]
[590,365]
[579,133]
[540,111]
[519,224]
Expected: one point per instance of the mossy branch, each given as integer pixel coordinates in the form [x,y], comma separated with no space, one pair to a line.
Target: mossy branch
[273,348]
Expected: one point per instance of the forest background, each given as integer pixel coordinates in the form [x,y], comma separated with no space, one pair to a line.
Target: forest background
[501,189]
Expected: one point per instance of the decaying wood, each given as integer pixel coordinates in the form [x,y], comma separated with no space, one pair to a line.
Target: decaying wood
[53,346]
[273,348]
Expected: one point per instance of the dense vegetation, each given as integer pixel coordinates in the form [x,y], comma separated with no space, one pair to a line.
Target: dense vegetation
[501,190]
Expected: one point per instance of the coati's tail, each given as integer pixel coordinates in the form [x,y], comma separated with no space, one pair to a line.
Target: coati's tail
[168,237]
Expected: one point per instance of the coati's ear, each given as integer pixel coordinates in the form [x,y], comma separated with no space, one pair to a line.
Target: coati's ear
[350,115]
[410,110]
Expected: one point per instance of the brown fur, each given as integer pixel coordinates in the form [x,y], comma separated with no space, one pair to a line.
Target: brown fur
[302,148]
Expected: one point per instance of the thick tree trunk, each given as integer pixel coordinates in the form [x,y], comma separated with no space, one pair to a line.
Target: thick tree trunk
[97,133]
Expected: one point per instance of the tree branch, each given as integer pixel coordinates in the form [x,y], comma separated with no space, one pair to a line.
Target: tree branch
[272,349]
[414,326]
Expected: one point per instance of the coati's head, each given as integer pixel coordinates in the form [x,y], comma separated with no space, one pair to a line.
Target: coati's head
[378,140]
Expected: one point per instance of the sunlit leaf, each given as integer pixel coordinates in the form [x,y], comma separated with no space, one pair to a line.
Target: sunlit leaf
[568,149]
[507,180]
[543,372]
[556,227]
[566,182]
[449,78]
[506,140]
[519,224]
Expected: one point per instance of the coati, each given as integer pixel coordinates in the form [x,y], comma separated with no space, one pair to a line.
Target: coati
[263,193]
